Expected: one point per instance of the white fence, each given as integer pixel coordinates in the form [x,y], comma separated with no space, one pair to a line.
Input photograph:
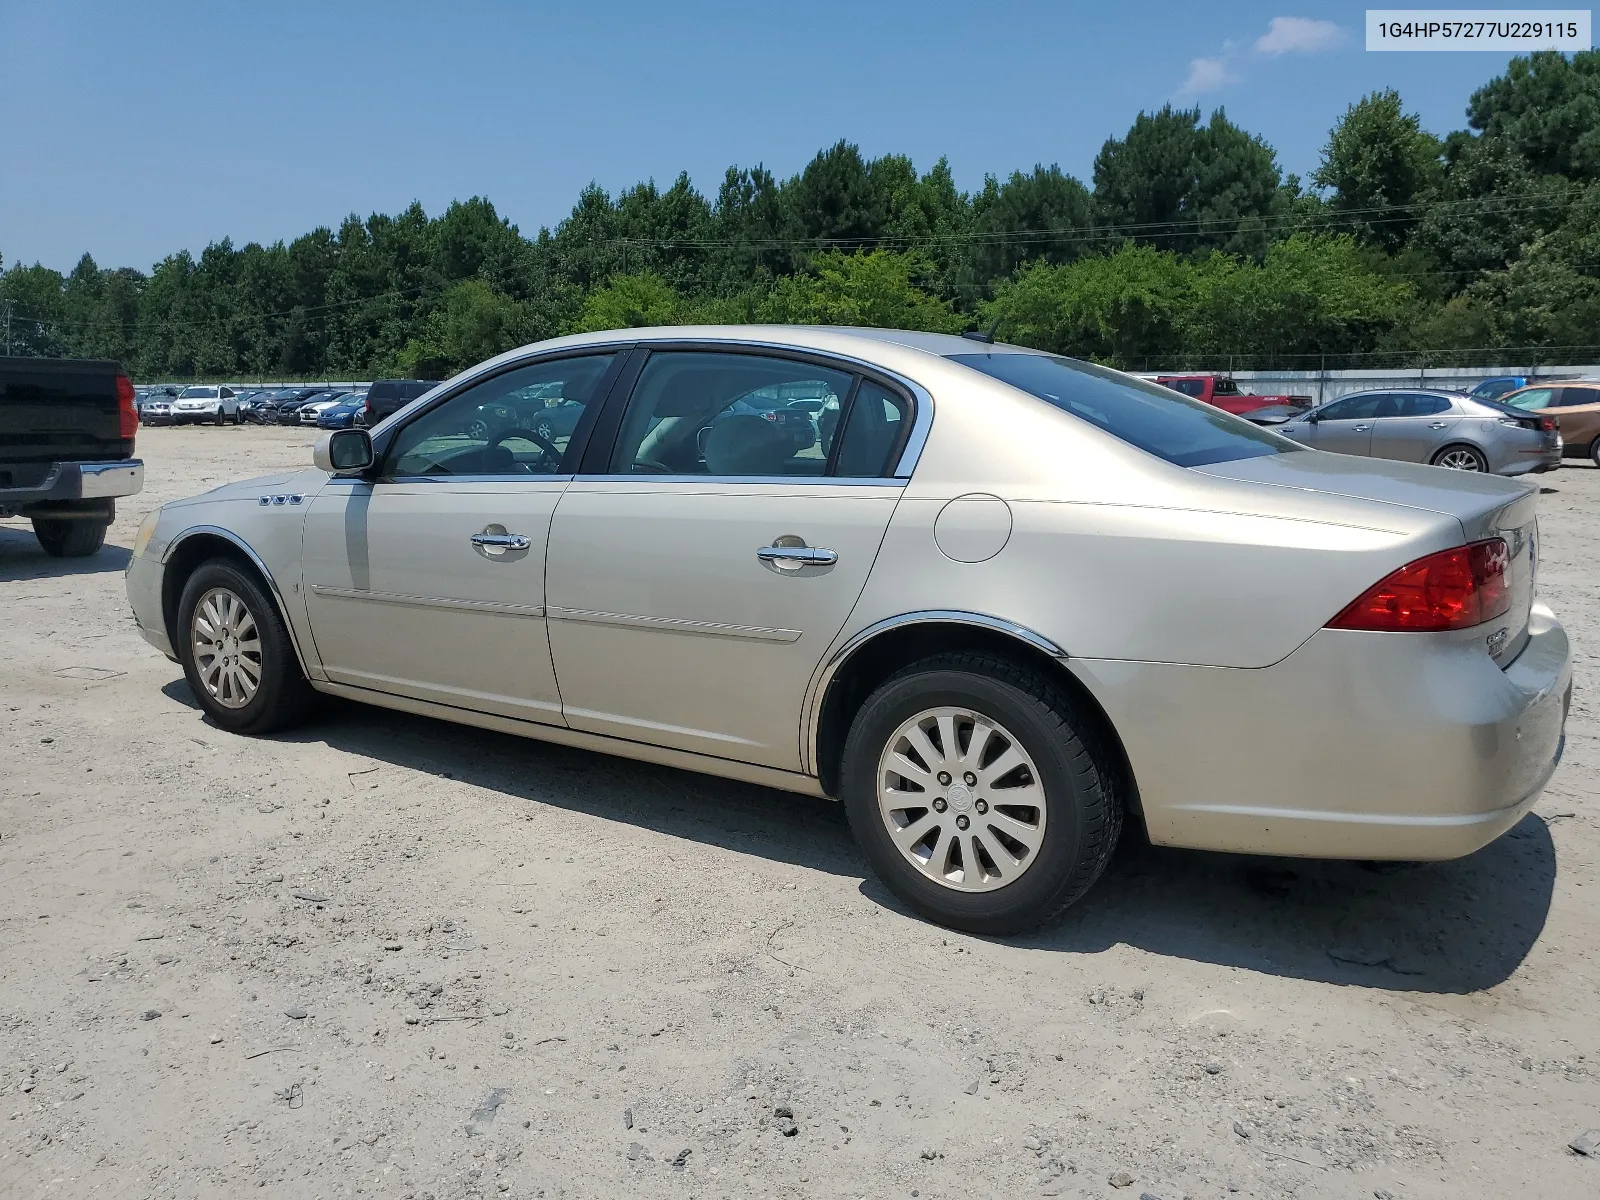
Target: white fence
[1326,385]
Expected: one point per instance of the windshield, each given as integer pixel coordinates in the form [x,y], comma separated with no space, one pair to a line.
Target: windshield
[198,393]
[1153,418]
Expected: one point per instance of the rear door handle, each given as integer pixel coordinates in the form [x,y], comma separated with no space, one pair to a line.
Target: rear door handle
[792,558]
[1361,428]
[1440,425]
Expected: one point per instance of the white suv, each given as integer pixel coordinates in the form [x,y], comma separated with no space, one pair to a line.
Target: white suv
[217,405]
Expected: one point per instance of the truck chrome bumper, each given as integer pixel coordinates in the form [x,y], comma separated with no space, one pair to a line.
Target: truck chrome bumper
[68,481]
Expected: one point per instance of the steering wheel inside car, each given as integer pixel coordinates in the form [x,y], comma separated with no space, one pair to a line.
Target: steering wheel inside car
[528,435]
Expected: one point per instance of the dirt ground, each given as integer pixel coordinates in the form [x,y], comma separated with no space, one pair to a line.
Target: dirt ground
[386,956]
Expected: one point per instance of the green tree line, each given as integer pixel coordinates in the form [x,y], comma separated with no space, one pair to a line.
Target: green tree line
[1189,246]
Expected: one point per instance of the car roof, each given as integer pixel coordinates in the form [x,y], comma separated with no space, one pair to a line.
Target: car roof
[817,337]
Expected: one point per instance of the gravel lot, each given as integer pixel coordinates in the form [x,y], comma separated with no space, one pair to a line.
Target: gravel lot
[387,956]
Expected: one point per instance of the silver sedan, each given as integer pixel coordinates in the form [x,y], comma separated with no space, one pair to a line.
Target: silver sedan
[1442,428]
[997,602]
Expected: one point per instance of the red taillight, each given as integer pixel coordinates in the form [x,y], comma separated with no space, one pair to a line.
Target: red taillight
[127,414]
[1454,589]
[1547,423]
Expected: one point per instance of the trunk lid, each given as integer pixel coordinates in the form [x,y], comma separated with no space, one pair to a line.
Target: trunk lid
[57,410]
[1485,505]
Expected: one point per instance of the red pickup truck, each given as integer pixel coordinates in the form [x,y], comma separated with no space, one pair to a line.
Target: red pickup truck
[1225,393]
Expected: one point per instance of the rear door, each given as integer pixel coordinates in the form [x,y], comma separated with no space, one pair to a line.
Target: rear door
[697,578]
[1414,428]
[1579,414]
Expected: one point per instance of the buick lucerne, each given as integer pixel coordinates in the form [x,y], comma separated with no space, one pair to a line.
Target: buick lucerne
[997,602]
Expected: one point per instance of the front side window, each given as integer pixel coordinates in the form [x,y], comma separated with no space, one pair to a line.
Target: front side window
[718,414]
[1351,408]
[517,423]
[1186,432]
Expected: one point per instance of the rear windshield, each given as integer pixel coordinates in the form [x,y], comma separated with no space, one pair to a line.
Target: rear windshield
[1154,418]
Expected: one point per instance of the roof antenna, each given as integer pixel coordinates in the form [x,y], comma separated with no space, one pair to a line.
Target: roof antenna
[977,335]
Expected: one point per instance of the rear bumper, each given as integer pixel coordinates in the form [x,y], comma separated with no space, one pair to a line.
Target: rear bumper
[1358,745]
[68,482]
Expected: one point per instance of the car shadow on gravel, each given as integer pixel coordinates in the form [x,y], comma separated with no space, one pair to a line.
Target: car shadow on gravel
[783,826]
[21,557]
[1456,927]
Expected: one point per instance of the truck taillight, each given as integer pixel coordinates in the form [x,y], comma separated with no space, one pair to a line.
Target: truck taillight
[1453,589]
[127,414]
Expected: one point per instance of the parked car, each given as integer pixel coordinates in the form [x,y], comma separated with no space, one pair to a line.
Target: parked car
[308,412]
[1496,387]
[267,408]
[156,393]
[288,411]
[342,414]
[156,412]
[992,629]
[1225,394]
[387,396]
[1274,414]
[205,403]
[1575,405]
[1446,429]
[542,410]
[251,406]
[67,430]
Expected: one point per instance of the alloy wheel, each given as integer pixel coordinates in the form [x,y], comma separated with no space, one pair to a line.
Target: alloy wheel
[227,648]
[961,799]
[1460,459]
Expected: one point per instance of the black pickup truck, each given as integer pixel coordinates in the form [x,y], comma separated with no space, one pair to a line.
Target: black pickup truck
[66,448]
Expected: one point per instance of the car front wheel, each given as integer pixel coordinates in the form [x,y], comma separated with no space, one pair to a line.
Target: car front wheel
[236,652]
[980,793]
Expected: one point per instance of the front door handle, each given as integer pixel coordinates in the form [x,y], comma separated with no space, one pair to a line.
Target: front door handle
[792,558]
[1440,425]
[1361,428]
[502,541]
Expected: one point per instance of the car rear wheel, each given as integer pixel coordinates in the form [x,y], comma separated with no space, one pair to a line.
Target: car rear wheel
[64,537]
[1461,458]
[980,793]
[1594,452]
[236,652]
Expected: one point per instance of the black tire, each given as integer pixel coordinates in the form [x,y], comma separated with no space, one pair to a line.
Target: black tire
[64,537]
[1084,811]
[283,697]
[1459,448]
[1594,452]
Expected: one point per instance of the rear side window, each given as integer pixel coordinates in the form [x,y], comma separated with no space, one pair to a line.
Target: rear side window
[1153,418]
[1423,406]
[871,432]
[1573,396]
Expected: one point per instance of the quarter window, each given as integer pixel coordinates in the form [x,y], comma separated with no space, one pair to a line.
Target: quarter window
[518,423]
[872,432]
[708,413]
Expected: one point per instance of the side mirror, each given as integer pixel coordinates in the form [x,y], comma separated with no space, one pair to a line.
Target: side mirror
[343,452]
[1312,417]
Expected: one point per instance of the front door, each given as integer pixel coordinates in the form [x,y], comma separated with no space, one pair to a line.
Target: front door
[694,586]
[1345,426]
[428,580]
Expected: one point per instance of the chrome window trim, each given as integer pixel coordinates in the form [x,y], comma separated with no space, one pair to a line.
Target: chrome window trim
[723,480]
[675,625]
[818,691]
[449,479]
[228,535]
[916,440]
[485,606]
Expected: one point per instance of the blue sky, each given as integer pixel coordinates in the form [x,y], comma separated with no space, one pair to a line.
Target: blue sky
[132,130]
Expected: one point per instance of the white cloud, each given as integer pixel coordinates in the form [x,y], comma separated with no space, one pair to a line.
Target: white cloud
[1207,75]
[1299,35]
